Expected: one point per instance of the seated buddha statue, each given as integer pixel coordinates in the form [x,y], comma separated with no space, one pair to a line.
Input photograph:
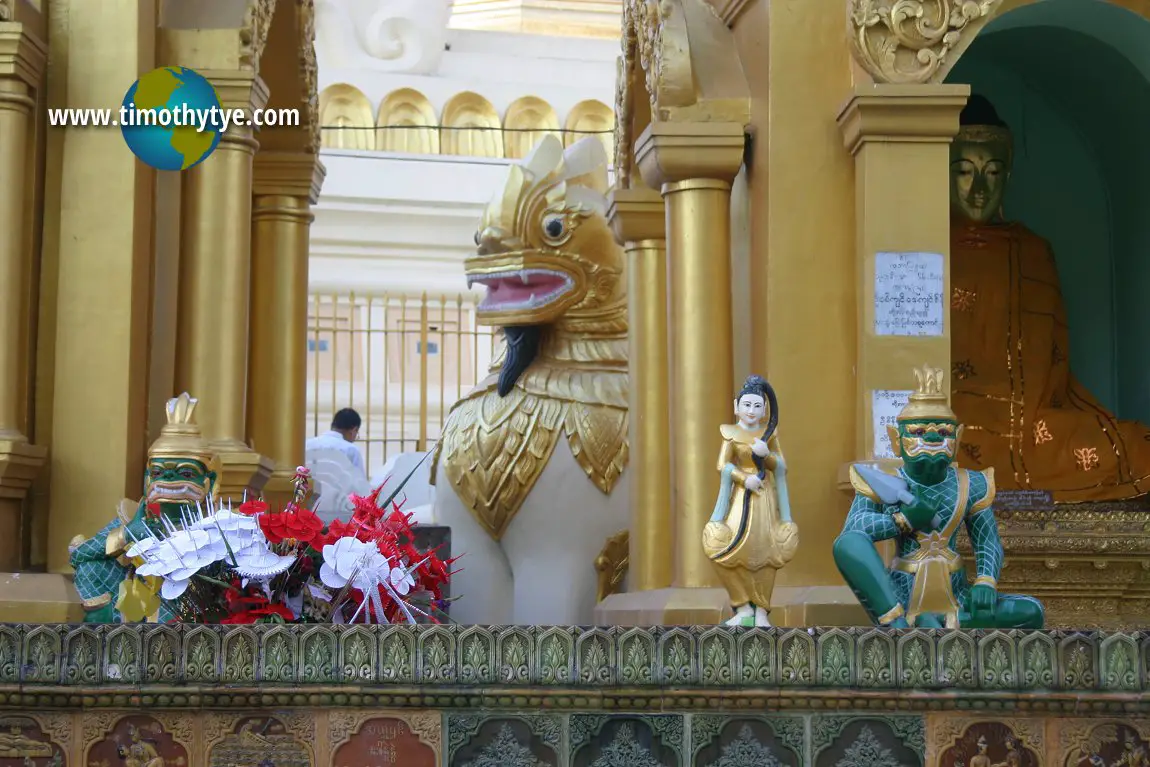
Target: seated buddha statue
[1025,413]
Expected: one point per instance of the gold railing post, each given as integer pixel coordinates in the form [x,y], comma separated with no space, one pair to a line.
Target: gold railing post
[458,339]
[285,186]
[22,62]
[421,445]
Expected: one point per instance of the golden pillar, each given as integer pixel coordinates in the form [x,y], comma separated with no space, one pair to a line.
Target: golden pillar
[899,136]
[693,164]
[215,288]
[286,185]
[22,63]
[94,364]
[639,219]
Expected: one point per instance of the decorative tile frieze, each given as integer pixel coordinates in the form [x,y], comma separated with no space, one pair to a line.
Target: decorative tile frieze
[628,669]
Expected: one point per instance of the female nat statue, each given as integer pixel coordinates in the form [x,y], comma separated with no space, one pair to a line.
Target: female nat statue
[751,535]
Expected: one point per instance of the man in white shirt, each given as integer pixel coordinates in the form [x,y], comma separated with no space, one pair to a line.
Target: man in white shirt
[344,431]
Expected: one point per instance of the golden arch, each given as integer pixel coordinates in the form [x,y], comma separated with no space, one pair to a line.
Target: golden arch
[892,48]
[470,127]
[346,116]
[407,123]
[527,121]
[591,118]
[1138,7]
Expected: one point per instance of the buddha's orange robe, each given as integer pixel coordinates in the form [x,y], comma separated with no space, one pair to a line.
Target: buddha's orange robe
[1023,412]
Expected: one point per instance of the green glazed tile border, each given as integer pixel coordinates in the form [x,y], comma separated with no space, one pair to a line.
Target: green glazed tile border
[584,662]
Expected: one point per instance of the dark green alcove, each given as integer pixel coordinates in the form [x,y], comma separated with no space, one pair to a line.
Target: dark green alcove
[1072,79]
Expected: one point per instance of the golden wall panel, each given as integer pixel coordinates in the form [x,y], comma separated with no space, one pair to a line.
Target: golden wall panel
[346,117]
[407,123]
[470,126]
[527,121]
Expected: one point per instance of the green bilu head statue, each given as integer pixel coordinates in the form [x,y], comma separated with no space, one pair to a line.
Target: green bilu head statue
[928,432]
[980,161]
[181,464]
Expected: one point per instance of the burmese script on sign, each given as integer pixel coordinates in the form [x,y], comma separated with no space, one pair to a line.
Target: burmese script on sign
[886,404]
[908,291]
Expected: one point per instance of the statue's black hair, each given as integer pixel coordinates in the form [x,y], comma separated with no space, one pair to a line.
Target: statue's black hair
[758,386]
[754,385]
[979,111]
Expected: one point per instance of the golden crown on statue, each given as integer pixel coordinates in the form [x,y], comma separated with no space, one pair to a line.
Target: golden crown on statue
[929,401]
[181,437]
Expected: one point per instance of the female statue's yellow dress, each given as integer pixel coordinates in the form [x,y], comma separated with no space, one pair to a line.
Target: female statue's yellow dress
[748,549]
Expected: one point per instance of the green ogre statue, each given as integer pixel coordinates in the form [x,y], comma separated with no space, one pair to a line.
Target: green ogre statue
[179,474]
[920,508]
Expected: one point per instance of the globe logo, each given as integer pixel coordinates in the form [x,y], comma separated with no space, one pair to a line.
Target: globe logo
[171,118]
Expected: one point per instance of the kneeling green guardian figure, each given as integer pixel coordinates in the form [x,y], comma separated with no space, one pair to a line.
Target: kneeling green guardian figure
[180,473]
[921,508]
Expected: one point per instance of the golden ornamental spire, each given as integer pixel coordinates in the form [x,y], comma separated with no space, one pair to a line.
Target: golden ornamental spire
[181,437]
[181,410]
[929,401]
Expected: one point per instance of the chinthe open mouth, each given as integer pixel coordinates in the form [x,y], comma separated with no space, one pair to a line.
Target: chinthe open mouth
[525,289]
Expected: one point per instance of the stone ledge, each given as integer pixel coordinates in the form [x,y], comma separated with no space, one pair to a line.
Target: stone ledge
[58,665]
[40,597]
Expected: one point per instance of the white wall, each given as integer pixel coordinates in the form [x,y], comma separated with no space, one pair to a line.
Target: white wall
[404,223]
[398,223]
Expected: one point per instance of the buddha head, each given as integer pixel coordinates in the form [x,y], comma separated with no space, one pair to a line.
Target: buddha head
[926,438]
[980,161]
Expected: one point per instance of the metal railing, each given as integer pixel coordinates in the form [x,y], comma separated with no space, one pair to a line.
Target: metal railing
[400,361]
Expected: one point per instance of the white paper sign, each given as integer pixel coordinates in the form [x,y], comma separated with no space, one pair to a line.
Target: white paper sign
[886,404]
[908,296]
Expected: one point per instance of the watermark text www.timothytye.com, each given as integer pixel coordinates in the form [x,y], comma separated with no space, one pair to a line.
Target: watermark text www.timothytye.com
[208,118]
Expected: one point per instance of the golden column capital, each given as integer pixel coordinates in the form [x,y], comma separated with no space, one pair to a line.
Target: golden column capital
[238,89]
[669,152]
[902,113]
[296,174]
[637,214]
[23,53]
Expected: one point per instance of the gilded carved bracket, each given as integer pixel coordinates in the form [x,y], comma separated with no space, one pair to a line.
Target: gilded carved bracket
[254,32]
[914,41]
[682,56]
[309,74]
